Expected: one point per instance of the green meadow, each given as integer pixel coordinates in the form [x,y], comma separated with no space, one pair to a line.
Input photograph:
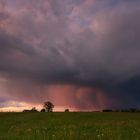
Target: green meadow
[70,126]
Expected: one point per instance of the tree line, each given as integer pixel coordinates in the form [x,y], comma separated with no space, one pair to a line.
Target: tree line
[49,106]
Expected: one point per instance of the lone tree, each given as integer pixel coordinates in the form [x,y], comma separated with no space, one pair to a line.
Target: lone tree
[66,110]
[48,106]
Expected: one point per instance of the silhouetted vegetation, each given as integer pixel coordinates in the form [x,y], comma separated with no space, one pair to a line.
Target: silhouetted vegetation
[107,110]
[32,110]
[122,110]
[26,110]
[42,110]
[67,110]
[48,106]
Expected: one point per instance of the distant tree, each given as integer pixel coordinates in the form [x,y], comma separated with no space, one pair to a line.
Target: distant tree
[67,110]
[34,109]
[26,110]
[107,110]
[42,110]
[48,106]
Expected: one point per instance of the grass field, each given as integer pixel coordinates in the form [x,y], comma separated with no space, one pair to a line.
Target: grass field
[70,126]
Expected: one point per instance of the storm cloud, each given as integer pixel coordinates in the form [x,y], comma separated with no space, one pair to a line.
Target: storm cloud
[82,54]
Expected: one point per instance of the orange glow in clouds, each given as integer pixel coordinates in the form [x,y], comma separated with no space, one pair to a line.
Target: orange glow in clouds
[76,97]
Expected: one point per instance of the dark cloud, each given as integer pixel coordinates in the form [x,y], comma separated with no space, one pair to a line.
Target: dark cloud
[87,44]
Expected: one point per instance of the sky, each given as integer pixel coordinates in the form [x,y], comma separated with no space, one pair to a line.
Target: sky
[78,54]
